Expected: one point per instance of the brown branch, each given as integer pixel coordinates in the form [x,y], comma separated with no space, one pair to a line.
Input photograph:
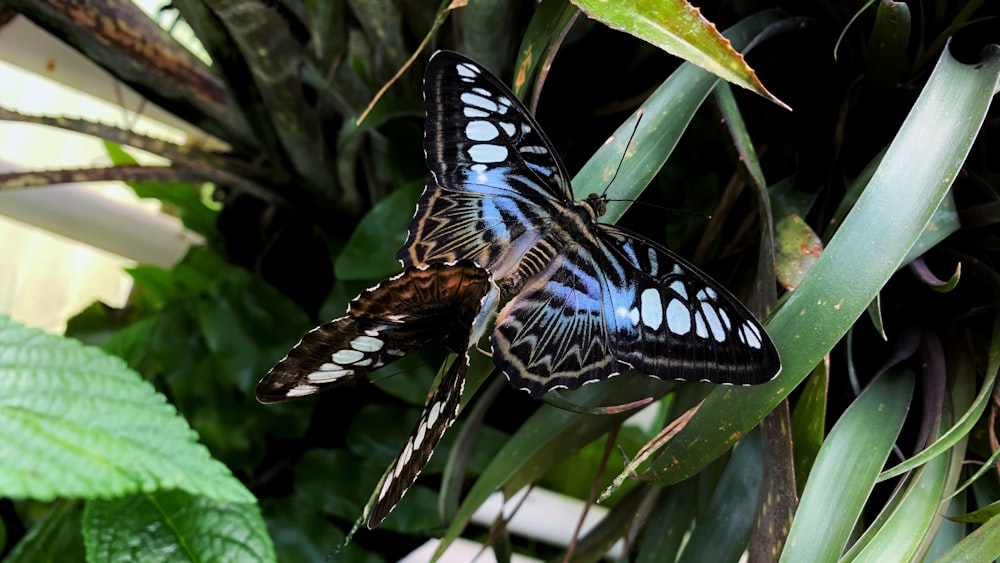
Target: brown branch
[35,178]
[202,165]
[148,174]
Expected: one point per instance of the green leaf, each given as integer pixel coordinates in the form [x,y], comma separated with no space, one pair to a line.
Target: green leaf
[182,199]
[668,525]
[79,423]
[846,468]
[809,423]
[665,116]
[722,534]
[371,251]
[678,28]
[53,538]
[173,525]
[981,545]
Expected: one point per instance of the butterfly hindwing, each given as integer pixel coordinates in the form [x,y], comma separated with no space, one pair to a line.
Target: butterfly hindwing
[439,414]
[383,324]
[674,322]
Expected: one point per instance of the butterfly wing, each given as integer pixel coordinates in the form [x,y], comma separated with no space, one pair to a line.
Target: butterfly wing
[495,178]
[668,319]
[383,324]
[622,301]
[439,414]
[552,333]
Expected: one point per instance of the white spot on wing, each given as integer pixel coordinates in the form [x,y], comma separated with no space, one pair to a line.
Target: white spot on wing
[752,335]
[679,287]
[678,318]
[466,70]
[488,153]
[508,128]
[473,113]
[652,308]
[699,325]
[714,323]
[367,344]
[301,390]
[432,416]
[347,356]
[532,149]
[481,130]
[480,102]
[327,376]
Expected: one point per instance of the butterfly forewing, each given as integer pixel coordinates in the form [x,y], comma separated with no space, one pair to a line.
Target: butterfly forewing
[477,132]
[382,324]
[495,181]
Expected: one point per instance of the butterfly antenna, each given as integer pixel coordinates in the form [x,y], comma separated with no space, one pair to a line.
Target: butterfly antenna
[635,128]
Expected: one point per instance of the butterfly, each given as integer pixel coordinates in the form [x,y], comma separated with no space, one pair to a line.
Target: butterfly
[384,323]
[498,219]
[590,300]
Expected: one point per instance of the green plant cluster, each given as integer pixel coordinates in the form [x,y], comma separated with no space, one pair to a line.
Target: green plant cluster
[860,225]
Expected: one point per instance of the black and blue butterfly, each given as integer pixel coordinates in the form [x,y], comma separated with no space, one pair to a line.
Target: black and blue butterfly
[497,220]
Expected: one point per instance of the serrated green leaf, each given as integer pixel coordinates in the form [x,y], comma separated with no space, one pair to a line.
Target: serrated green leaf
[174,526]
[78,423]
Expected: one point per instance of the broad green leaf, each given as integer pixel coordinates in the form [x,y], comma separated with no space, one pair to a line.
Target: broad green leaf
[678,28]
[905,528]
[79,423]
[172,526]
[845,469]
[371,251]
[911,181]
[963,426]
[809,423]
[886,56]
[721,535]
[668,525]
[950,532]
[983,544]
